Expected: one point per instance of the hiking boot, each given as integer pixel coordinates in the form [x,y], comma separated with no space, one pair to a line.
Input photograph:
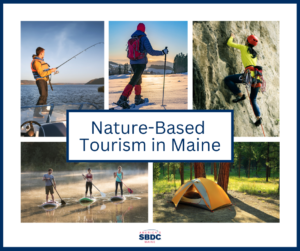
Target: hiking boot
[138,100]
[238,99]
[122,102]
[258,122]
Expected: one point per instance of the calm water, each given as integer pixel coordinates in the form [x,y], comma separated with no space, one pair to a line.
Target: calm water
[71,188]
[63,94]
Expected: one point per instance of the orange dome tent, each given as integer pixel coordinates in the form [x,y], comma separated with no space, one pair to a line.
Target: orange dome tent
[203,193]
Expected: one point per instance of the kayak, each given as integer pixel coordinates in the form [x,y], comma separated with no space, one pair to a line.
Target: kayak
[87,199]
[50,204]
[117,198]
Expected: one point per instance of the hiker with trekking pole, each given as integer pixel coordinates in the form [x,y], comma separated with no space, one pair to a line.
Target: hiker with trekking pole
[41,72]
[138,48]
[252,76]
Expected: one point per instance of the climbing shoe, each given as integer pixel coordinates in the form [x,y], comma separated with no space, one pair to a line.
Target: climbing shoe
[258,122]
[138,100]
[238,99]
[122,102]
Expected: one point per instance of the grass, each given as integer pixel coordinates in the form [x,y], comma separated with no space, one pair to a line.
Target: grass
[252,185]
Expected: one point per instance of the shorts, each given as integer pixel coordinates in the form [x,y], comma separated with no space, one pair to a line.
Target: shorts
[49,189]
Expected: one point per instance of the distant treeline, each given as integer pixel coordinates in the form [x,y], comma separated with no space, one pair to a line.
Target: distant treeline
[39,156]
[96,81]
[251,159]
[180,63]
[161,67]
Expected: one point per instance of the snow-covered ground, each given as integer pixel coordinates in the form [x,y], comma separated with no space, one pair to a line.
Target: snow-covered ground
[176,93]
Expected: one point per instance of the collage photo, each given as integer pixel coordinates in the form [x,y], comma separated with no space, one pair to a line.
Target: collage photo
[148,70]
[170,118]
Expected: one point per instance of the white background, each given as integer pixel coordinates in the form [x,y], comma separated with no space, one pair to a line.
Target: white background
[173,234]
[80,127]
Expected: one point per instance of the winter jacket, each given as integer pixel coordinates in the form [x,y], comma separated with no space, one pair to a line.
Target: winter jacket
[144,46]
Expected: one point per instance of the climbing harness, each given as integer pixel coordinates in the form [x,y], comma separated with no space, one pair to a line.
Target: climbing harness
[257,80]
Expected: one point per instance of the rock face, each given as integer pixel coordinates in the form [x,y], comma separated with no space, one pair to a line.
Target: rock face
[213,60]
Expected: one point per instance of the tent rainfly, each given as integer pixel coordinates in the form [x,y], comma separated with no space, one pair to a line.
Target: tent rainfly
[203,193]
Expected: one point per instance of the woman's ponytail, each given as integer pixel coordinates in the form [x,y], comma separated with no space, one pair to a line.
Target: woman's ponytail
[251,50]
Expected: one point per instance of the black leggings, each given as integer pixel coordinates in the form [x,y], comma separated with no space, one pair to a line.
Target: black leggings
[138,70]
[87,186]
[121,186]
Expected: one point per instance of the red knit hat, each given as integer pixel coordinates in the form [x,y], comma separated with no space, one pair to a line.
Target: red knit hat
[141,27]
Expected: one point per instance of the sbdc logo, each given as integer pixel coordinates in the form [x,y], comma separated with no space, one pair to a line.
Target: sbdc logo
[150,235]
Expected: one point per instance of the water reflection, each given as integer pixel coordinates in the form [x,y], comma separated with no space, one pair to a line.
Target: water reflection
[71,188]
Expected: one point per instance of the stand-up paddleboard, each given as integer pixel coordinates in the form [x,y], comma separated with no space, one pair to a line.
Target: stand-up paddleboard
[117,198]
[51,204]
[87,199]
[86,204]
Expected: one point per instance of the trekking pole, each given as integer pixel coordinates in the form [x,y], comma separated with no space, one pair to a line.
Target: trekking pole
[164,79]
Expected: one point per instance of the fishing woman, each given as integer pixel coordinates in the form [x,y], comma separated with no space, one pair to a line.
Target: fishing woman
[249,59]
[89,178]
[119,177]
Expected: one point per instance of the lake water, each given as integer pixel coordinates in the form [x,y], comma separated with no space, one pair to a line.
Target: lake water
[71,188]
[64,94]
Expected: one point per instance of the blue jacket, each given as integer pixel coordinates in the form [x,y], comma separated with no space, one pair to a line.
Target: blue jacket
[144,46]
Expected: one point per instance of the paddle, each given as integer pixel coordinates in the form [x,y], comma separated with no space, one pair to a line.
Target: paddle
[129,190]
[62,201]
[102,194]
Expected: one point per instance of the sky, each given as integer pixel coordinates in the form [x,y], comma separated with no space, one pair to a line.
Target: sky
[61,41]
[172,34]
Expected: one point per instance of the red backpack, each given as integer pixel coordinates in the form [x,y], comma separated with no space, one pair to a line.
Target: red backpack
[133,48]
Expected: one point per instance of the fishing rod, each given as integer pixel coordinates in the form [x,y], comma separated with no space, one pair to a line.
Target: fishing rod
[77,55]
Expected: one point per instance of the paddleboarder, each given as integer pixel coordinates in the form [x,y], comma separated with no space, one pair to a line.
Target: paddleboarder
[88,185]
[119,177]
[49,183]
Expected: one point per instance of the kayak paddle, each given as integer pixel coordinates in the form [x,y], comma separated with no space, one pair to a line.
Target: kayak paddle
[62,201]
[102,194]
